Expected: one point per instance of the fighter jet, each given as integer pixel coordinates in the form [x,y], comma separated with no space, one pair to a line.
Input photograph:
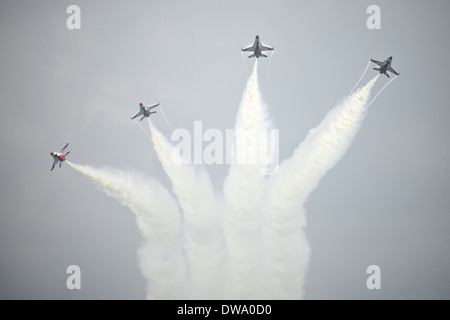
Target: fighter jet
[145,110]
[59,157]
[385,66]
[257,49]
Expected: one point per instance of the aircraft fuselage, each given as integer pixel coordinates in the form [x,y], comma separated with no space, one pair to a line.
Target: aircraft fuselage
[257,48]
[384,67]
[58,156]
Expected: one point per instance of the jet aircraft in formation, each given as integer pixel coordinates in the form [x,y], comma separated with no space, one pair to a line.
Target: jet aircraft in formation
[384,66]
[257,47]
[59,156]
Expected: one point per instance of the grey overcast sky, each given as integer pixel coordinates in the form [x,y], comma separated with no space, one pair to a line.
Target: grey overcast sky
[386,203]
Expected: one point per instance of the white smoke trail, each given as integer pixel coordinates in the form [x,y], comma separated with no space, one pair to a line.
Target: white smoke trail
[326,144]
[298,176]
[142,128]
[381,90]
[167,121]
[202,224]
[251,243]
[268,70]
[243,191]
[158,218]
[244,59]
[365,70]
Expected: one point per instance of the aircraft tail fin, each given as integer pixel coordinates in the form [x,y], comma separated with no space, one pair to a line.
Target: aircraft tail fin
[251,56]
[263,55]
[152,112]
[378,69]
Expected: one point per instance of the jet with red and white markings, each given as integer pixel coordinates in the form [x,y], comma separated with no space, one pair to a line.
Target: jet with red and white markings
[145,110]
[59,156]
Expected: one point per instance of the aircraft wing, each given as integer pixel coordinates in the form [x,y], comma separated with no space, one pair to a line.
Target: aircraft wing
[55,160]
[250,48]
[140,113]
[152,106]
[377,62]
[393,71]
[266,48]
[62,150]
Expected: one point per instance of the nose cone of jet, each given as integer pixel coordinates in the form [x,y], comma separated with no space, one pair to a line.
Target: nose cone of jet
[257,37]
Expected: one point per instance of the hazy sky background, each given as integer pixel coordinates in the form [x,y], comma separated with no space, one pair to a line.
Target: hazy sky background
[385,203]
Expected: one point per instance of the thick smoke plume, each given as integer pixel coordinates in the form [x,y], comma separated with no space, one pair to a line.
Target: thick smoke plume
[243,193]
[159,221]
[250,241]
[288,251]
[202,216]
